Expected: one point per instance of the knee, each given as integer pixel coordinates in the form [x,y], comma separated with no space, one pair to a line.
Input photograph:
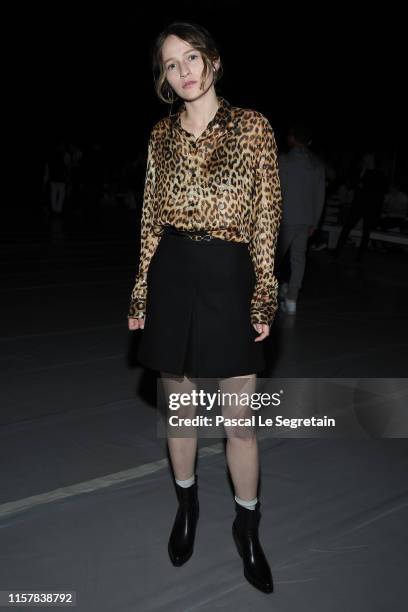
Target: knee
[238,436]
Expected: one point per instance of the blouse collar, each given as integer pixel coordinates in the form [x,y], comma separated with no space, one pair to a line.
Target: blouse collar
[222,118]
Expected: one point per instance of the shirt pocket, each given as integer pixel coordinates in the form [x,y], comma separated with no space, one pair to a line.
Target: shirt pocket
[223,200]
[222,184]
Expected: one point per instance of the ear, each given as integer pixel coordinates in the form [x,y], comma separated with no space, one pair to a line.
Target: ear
[216,64]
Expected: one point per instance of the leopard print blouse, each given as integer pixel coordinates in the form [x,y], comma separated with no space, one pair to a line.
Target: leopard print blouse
[225,182]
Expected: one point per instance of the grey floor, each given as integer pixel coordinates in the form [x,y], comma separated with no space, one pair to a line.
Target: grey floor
[87,501]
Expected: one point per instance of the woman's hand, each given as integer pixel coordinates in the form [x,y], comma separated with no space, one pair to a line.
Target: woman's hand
[136,323]
[262,329]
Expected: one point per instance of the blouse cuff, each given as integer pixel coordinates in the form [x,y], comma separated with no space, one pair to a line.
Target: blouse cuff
[137,306]
[264,304]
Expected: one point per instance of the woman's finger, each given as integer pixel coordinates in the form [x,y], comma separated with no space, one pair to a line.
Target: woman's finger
[261,337]
[133,323]
[263,330]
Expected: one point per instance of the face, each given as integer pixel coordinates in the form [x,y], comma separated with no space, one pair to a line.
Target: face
[183,67]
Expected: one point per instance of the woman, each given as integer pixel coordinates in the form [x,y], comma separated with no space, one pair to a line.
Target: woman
[205,294]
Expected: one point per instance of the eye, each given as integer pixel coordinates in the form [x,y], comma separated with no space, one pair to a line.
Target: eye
[192,55]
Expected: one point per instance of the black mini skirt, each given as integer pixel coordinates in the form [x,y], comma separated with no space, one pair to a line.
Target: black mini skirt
[198,309]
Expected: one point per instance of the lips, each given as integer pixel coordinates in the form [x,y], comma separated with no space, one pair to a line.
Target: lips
[188,83]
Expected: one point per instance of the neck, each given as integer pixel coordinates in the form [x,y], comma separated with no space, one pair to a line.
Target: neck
[199,112]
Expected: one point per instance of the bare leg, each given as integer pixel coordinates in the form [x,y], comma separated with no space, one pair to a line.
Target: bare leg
[183,450]
[242,443]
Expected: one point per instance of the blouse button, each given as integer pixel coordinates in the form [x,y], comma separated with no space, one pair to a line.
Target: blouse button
[221,205]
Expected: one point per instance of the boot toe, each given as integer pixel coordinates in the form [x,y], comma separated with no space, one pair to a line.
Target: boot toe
[264,583]
[178,557]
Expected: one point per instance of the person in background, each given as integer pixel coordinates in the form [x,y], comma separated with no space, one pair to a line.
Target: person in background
[318,240]
[56,174]
[93,175]
[367,203]
[74,178]
[303,185]
[395,210]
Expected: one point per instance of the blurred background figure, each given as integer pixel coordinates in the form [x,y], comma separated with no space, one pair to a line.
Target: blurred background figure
[74,178]
[369,192]
[93,178]
[303,185]
[57,169]
[395,210]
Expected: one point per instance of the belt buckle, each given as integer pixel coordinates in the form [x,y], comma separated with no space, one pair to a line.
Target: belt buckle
[198,237]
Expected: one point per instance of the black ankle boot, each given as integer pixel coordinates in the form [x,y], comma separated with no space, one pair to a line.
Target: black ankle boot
[181,541]
[245,533]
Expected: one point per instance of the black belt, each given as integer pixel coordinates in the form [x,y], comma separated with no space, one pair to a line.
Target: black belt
[192,234]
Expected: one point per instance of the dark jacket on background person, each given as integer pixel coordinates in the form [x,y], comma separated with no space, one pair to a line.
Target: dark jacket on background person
[303,184]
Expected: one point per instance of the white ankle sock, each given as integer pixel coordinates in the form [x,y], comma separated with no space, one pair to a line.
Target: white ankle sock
[249,504]
[186,483]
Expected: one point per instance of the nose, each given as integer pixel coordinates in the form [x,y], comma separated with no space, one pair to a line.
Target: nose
[184,70]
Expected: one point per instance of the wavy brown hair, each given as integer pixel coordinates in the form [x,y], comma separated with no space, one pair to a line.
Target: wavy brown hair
[199,38]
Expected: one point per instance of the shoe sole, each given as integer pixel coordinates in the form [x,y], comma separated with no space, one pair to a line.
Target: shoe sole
[247,576]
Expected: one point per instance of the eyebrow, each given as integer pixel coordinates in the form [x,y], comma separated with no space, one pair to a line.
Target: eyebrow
[170,58]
